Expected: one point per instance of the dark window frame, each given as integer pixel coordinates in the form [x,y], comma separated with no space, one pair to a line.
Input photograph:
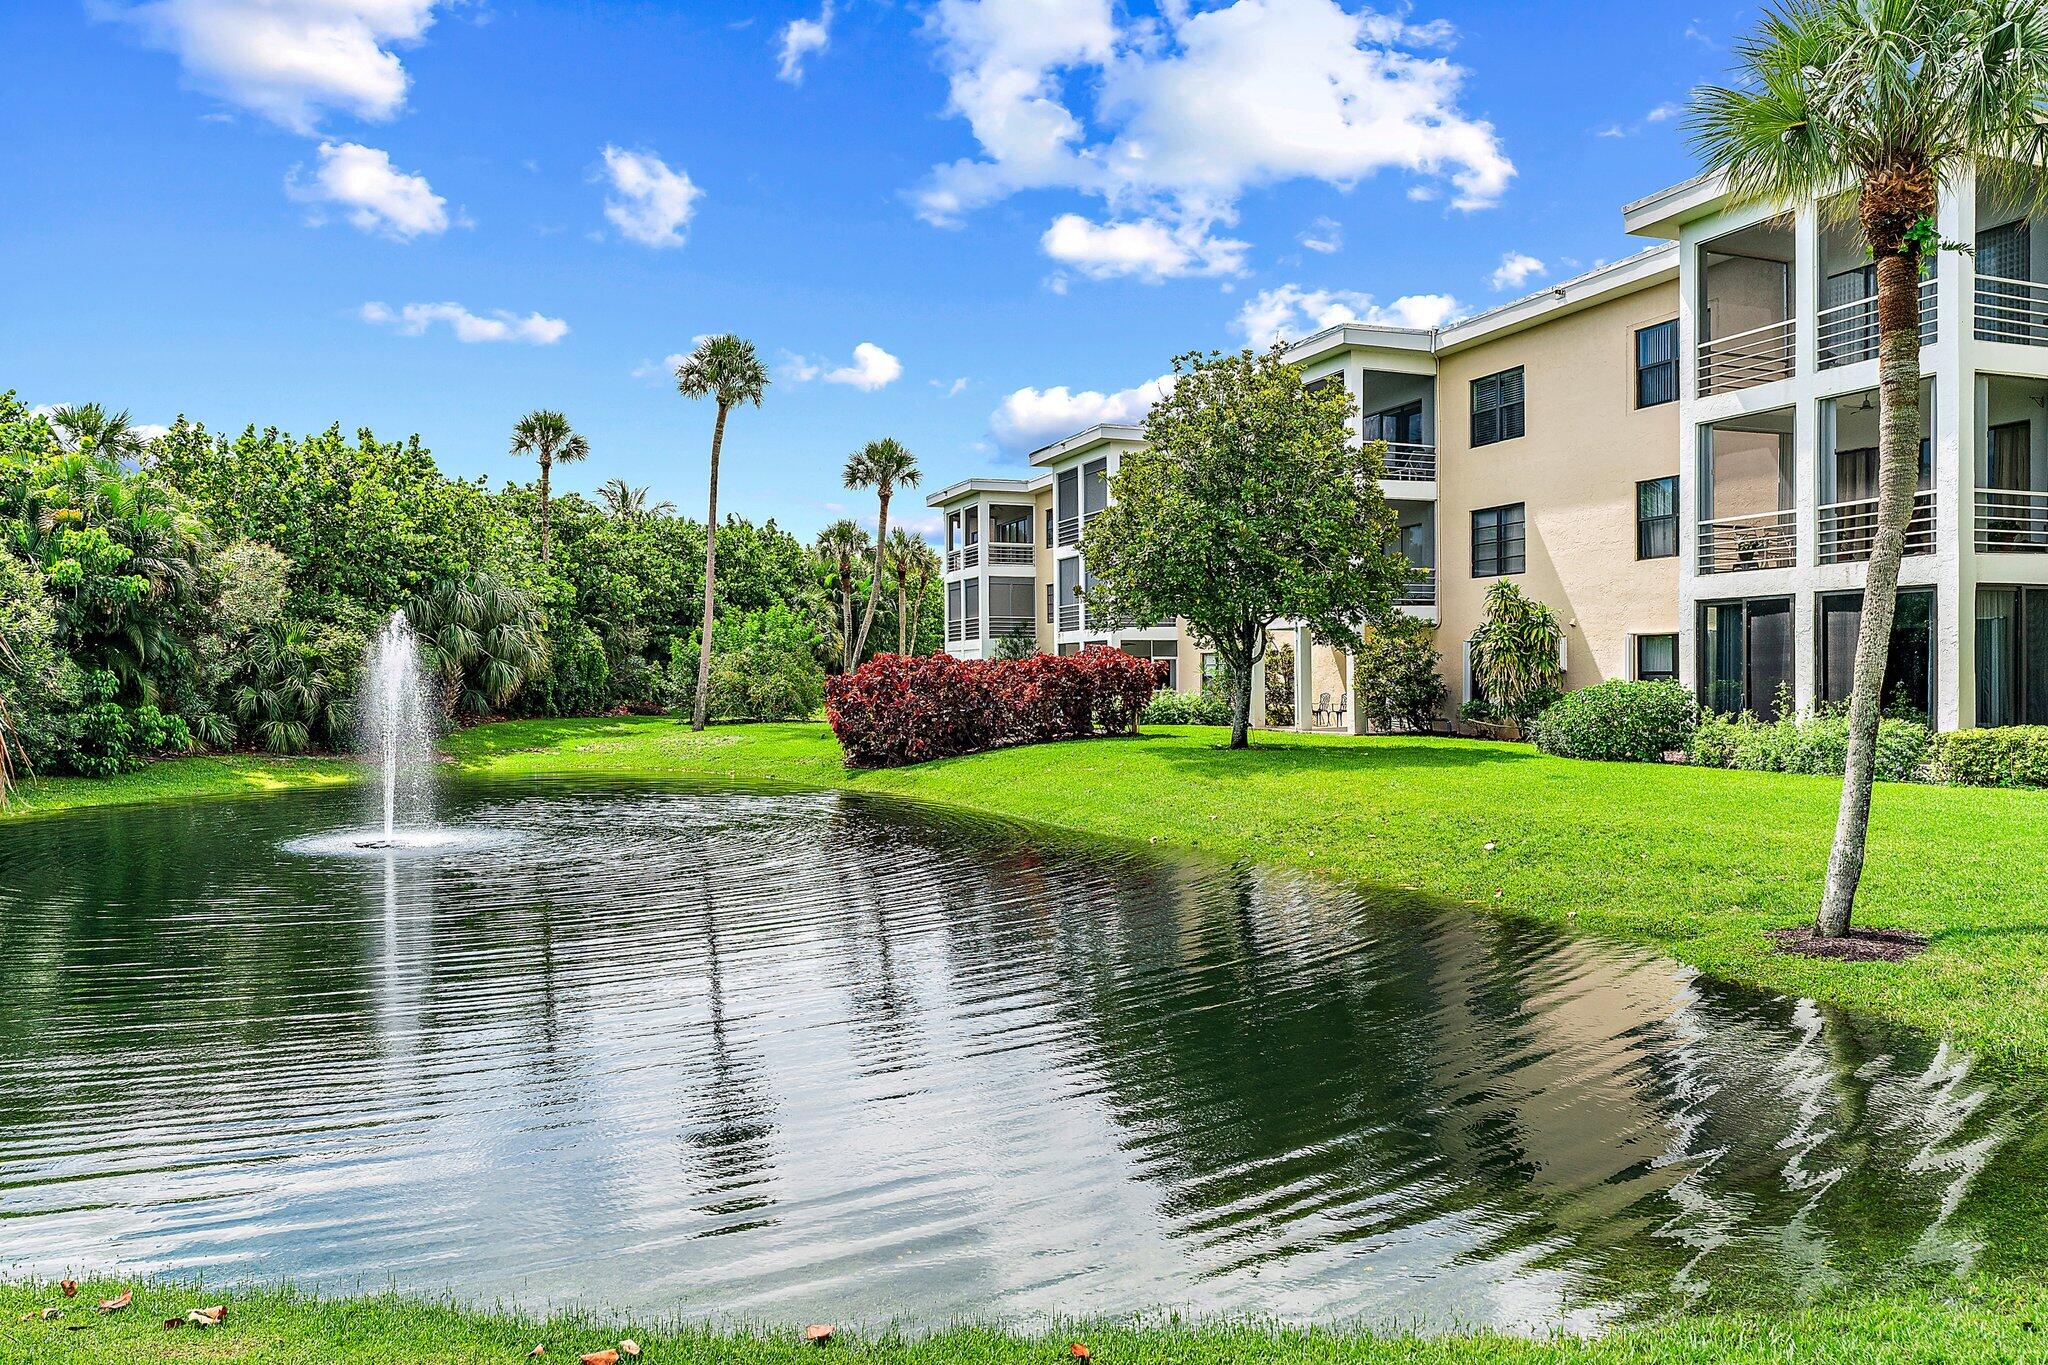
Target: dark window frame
[1779,605]
[1497,416]
[1664,370]
[1652,528]
[1499,561]
[1823,662]
[1636,659]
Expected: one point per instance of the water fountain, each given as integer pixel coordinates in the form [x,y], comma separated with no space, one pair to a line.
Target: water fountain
[397,731]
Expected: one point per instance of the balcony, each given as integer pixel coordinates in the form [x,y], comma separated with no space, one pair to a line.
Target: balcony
[1003,552]
[965,558]
[1848,331]
[1068,531]
[1001,627]
[1848,530]
[1418,591]
[1761,540]
[2012,521]
[2012,311]
[956,630]
[1070,616]
[1760,355]
[1410,463]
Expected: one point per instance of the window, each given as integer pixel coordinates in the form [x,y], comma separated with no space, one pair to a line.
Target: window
[1657,365]
[1656,658]
[1497,407]
[1212,668]
[1049,590]
[2012,656]
[1159,651]
[1498,542]
[1400,426]
[1745,655]
[970,617]
[1657,518]
[1094,487]
[1909,662]
[1048,528]
[1067,501]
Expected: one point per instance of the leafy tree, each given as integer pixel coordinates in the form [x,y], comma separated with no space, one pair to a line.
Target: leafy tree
[1515,655]
[726,370]
[1250,502]
[881,465]
[764,666]
[1018,644]
[1900,97]
[927,594]
[1394,678]
[545,435]
[286,693]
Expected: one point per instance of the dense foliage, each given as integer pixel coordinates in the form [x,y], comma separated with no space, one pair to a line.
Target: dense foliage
[2011,756]
[1516,656]
[201,590]
[1206,707]
[1816,744]
[1251,500]
[895,710]
[1394,678]
[1618,722]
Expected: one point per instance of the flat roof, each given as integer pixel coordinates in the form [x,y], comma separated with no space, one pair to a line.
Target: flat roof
[1102,433]
[1662,214]
[1565,297]
[967,488]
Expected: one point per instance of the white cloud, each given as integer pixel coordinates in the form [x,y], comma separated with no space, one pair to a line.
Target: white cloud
[1293,312]
[1147,248]
[664,368]
[288,60]
[650,203]
[1193,109]
[1516,269]
[800,39]
[1030,418]
[872,368]
[1324,235]
[374,195]
[950,388]
[414,319]
[1664,112]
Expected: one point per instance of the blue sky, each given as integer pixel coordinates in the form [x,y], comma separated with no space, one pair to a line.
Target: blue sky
[970,224]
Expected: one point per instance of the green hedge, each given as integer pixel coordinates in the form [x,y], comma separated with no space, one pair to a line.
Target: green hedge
[1206,707]
[2009,756]
[1817,744]
[1617,722]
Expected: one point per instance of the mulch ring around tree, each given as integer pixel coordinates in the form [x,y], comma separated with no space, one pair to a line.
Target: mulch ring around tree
[1858,945]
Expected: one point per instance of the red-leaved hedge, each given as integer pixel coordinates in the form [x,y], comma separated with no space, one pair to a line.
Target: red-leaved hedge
[893,710]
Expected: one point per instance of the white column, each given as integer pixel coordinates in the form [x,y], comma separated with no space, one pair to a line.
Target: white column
[1259,690]
[1959,405]
[1806,440]
[1304,678]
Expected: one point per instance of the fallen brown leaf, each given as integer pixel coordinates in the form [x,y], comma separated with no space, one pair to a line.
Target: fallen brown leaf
[630,1347]
[1079,1351]
[70,1288]
[536,1353]
[118,1302]
[600,1358]
[205,1317]
[172,1324]
[818,1333]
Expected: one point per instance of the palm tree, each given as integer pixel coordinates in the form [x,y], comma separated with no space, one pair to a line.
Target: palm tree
[90,427]
[724,369]
[881,465]
[627,503]
[926,568]
[841,547]
[481,638]
[902,557]
[545,435]
[1901,97]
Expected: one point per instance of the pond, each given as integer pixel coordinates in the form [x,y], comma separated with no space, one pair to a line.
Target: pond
[785,1057]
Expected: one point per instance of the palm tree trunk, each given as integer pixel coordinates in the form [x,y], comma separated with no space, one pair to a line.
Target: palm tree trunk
[902,616]
[1898,443]
[867,620]
[846,619]
[701,710]
[545,462]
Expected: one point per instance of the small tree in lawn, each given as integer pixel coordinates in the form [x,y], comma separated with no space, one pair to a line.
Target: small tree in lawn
[1515,655]
[1251,502]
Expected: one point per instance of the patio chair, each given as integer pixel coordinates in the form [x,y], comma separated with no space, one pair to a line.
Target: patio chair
[1322,708]
[1343,706]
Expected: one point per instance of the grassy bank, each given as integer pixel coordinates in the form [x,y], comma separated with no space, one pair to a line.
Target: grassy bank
[1697,863]
[1992,1324]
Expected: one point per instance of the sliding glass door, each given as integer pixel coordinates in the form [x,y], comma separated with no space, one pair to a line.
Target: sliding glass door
[1745,655]
[2012,656]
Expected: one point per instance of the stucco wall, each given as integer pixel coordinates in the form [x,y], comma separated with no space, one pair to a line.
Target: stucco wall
[1587,445]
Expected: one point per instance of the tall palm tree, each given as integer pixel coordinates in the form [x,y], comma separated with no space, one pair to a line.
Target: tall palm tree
[1900,97]
[546,436]
[841,547]
[627,503]
[90,427]
[902,557]
[726,370]
[882,465]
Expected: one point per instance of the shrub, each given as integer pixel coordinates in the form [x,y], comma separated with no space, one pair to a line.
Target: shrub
[1188,708]
[1515,655]
[1393,675]
[1817,744]
[2009,756]
[892,710]
[764,666]
[1617,722]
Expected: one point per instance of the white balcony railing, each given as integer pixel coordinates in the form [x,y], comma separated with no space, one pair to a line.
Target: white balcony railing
[1407,463]
[2014,311]
[2012,521]
[1762,540]
[1070,616]
[1848,530]
[1419,591]
[1068,532]
[1746,359]
[1003,552]
[955,629]
[1848,331]
[1000,627]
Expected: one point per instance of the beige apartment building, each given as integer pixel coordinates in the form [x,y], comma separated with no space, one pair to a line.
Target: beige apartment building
[1675,453]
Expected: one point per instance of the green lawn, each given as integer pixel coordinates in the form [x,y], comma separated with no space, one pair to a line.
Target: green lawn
[1989,1324]
[1697,863]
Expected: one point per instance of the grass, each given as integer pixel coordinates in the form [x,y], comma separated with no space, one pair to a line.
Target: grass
[277,1325]
[176,779]
[1696,863]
